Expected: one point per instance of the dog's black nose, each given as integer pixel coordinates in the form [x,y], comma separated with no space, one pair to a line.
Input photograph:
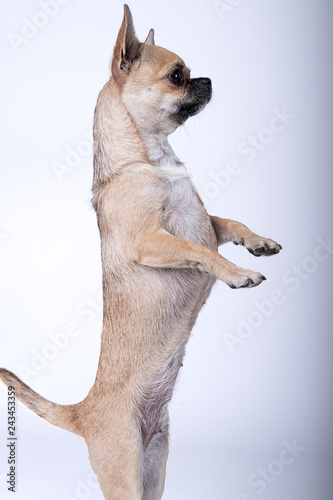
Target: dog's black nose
[205,81]
[204,88]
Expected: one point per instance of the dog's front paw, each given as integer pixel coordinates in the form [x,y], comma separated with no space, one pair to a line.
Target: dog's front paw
[245,278]
[259,246]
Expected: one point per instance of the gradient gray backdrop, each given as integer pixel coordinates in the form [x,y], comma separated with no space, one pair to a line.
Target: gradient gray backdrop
[257,377]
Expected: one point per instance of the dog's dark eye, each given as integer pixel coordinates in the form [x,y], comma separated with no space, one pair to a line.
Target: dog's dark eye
[177,77]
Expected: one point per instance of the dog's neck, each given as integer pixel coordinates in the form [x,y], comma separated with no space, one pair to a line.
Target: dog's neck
[161,154]
[159,150]
[118,142]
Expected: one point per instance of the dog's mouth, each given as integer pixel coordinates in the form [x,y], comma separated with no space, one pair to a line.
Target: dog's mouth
[198,95]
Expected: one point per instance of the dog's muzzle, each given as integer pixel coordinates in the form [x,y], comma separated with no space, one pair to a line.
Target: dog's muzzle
[198,94]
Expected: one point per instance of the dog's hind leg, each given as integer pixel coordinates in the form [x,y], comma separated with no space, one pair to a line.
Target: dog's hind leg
[115,452]
[154,465]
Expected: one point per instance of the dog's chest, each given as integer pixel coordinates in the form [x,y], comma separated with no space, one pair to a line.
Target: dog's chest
[184,213]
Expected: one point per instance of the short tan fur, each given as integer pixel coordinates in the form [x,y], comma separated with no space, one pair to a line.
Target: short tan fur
[160,261]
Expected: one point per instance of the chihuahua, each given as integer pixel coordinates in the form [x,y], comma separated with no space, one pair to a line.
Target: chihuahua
[160,261]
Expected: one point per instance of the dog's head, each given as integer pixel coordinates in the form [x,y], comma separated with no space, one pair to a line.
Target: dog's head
[155,84]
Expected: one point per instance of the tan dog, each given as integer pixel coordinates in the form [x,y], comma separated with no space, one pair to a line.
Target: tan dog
[160,260]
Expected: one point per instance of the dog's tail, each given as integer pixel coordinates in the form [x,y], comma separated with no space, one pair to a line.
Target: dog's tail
[64,416]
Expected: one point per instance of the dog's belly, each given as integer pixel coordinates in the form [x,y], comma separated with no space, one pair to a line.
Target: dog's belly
[186,217]
[186,290]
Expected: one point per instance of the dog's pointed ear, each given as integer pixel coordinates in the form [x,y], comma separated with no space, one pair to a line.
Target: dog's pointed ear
[126,50]
[150,38]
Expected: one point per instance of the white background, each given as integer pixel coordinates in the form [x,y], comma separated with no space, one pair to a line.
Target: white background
[236,405]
